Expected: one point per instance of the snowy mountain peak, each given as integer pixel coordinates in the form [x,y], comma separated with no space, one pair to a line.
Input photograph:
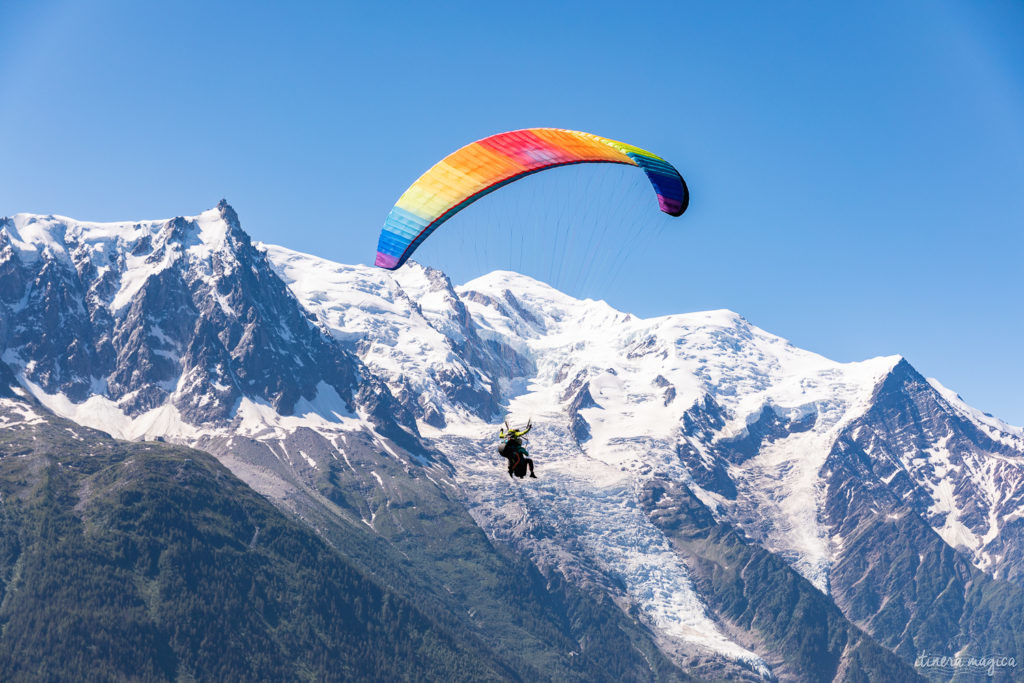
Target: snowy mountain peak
[301,373]
[122,256]
[617,398]
[499,280]
[982,418]
[181,316]
[521,307]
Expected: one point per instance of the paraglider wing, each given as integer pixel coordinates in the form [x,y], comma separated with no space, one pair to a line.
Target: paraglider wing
[481,167]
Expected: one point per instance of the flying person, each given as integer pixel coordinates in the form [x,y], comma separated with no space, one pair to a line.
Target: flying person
[512,449]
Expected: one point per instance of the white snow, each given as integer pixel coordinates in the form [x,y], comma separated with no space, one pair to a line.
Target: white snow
[995,428]
[99,412]
[405,322]
[103,244]
[327,413]
[643,375]
[401,342]
[714,352]
[14,412]
[309,461]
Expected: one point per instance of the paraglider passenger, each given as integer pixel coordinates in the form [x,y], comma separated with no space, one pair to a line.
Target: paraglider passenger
[514,451]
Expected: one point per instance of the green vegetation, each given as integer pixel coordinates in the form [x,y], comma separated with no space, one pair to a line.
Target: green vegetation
[920,597]
[756,593]
[149,561]
[428,548]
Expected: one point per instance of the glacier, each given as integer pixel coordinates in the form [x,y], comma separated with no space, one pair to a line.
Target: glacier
[745,420]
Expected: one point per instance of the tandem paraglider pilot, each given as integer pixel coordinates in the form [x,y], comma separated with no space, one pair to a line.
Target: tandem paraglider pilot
[512,449]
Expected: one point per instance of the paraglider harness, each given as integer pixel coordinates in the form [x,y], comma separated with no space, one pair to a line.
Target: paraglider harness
[512,449]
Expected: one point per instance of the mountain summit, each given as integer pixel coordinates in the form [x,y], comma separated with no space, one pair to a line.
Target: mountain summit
[736,505]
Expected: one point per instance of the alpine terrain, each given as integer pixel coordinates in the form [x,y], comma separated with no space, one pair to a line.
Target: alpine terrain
[711,501]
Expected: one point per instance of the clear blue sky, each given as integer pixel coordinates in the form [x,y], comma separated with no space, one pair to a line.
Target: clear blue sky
[857,169]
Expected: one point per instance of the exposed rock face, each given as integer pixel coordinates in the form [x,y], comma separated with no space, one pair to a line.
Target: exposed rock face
[183,313]
[924,453]
[665,447]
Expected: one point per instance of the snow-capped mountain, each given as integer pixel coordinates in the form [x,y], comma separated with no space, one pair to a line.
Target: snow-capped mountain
[175,328]
[351,394]
[176,320]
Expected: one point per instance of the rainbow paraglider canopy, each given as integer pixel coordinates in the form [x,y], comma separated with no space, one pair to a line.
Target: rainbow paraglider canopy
[481,167]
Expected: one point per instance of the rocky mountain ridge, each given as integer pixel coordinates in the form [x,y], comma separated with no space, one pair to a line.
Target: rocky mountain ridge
[349,395]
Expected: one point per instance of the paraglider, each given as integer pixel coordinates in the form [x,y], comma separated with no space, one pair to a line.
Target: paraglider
[489,164]
[513,450]
[486,165]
